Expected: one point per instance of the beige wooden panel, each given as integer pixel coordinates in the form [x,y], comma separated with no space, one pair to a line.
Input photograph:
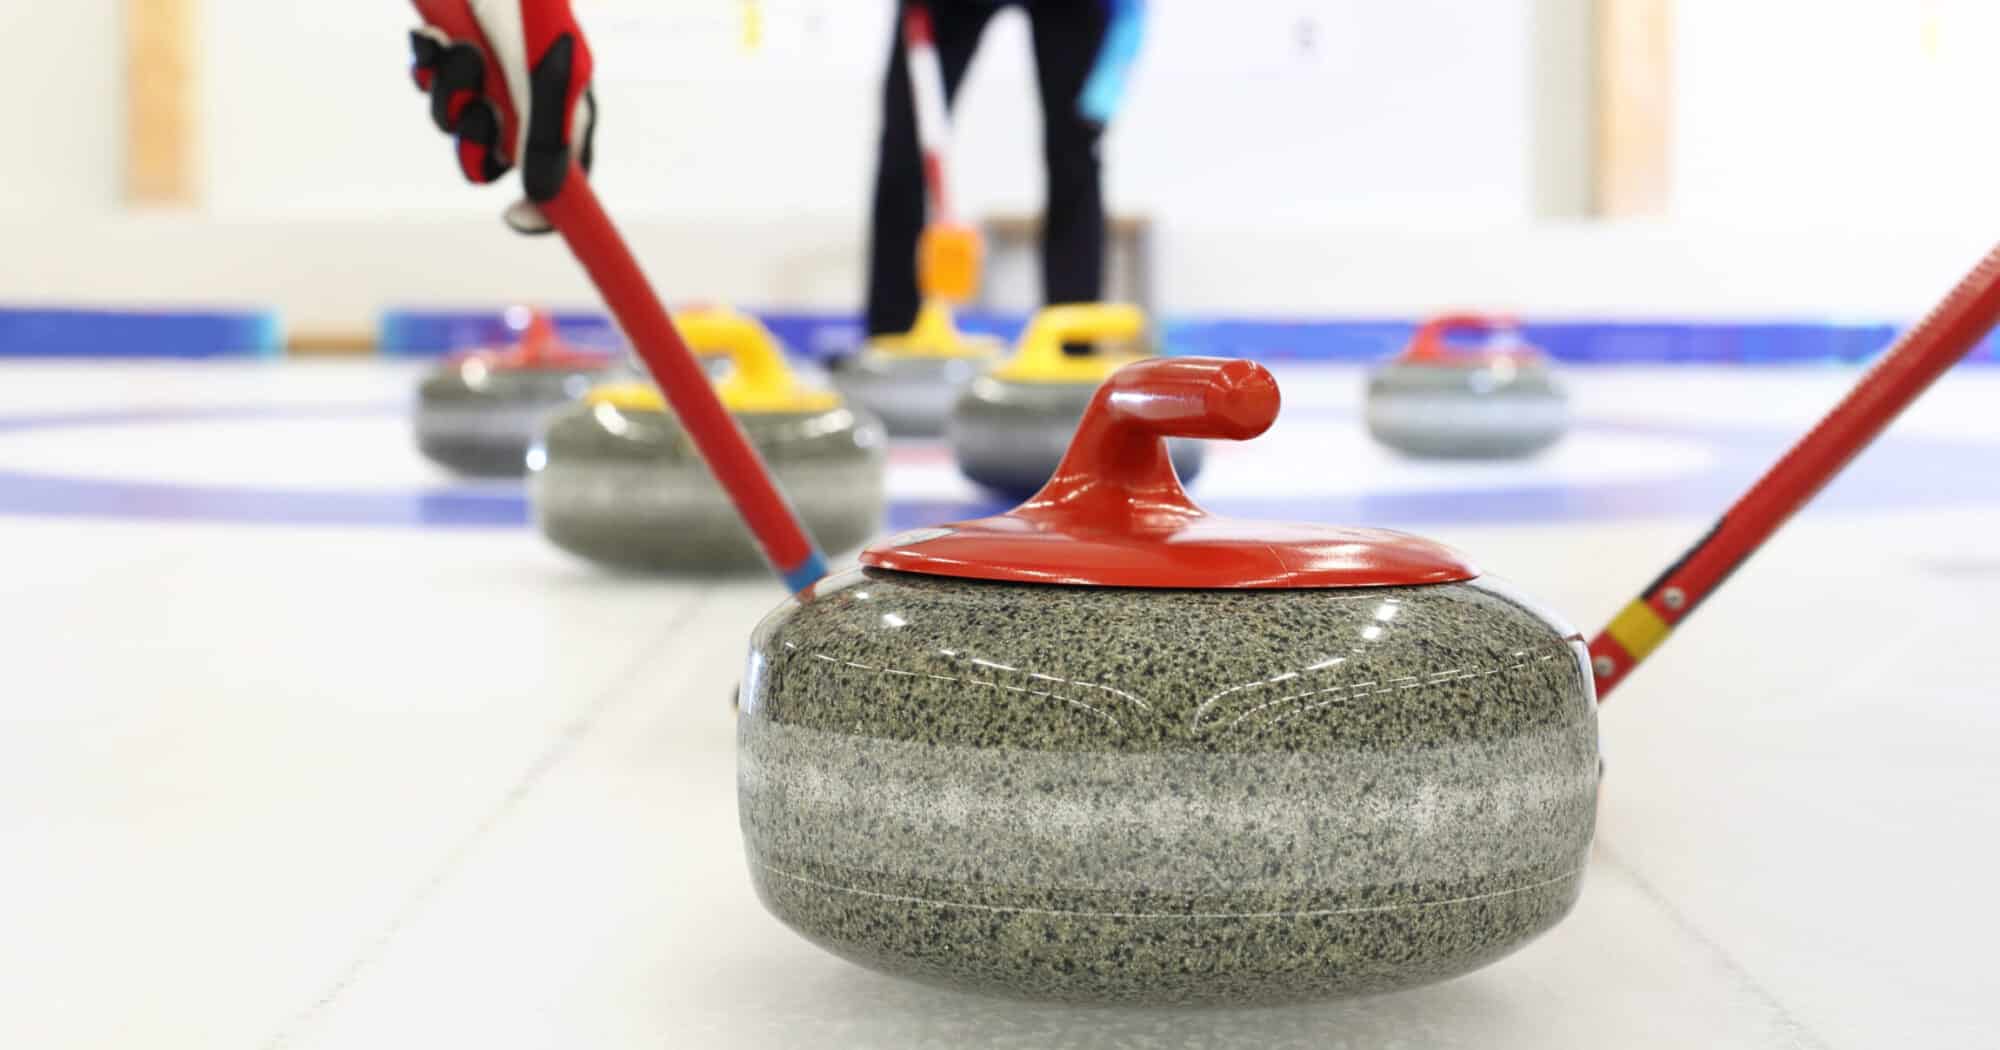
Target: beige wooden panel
[1634,106]
[160,123]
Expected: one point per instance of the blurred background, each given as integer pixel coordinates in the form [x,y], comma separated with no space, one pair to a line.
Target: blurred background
[1286,158]
[306,741]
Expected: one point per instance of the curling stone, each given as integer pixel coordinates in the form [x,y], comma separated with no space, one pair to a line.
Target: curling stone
[479,412]
[911,380]
[1107,747]
[1500,401]
[1011,425]
[617,481]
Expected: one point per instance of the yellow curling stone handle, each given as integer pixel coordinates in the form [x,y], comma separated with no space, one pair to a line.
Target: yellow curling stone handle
[935,334]
[1040,358]
[759,379]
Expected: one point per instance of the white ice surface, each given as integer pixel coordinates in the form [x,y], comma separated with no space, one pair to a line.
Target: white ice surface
[265,786]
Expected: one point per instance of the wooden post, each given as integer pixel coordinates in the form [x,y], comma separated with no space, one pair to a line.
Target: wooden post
[1634,107]
[160,122]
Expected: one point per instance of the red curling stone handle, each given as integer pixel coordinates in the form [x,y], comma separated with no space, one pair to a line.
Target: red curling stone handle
[1117,464]
[1114,514]
[539,340]
[1429,342]
[1196,397]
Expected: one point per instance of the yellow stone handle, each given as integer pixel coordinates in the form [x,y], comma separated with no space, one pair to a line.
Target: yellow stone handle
[759,379]
[757,364]
[1042,347]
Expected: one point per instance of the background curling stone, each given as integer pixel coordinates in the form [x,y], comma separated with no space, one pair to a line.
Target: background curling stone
[1498,401]
[1109,748]
[478,413]
[617,480]
[910,381]
[1010,426]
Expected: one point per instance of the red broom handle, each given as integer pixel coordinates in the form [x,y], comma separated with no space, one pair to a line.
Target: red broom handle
[927,101]
[597,244]
[1912,364]
[576,213]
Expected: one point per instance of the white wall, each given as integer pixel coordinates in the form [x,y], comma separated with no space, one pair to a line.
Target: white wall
[1254,110]
[1563,68]
[1871,113]
[1251,123]
[60,78]
[1396,164]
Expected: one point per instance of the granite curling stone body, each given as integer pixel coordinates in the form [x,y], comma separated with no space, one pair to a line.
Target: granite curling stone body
[620,483]
[1438,401]
[910,381]
[1109,748]
[1010,426]
[479,413]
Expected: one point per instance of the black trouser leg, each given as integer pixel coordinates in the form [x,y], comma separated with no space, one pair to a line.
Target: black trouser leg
[898,217]
[1068,35]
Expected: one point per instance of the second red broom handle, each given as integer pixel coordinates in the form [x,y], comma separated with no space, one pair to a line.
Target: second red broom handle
[1912,364]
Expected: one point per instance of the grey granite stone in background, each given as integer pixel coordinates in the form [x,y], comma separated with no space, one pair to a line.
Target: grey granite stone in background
[481,421]
[628,489]
[1009,436]
[1467,410]
[911,394]
[1186,797]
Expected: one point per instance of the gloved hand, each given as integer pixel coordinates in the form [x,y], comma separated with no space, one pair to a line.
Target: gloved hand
[489,63]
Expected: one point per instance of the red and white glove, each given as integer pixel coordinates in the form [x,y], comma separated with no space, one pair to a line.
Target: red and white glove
[489,63]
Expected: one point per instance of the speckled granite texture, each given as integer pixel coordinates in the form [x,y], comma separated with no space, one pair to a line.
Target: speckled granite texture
[911,395]
[1010,436]
[628,489]
[1497,410]
[1186,797]
[482,423]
